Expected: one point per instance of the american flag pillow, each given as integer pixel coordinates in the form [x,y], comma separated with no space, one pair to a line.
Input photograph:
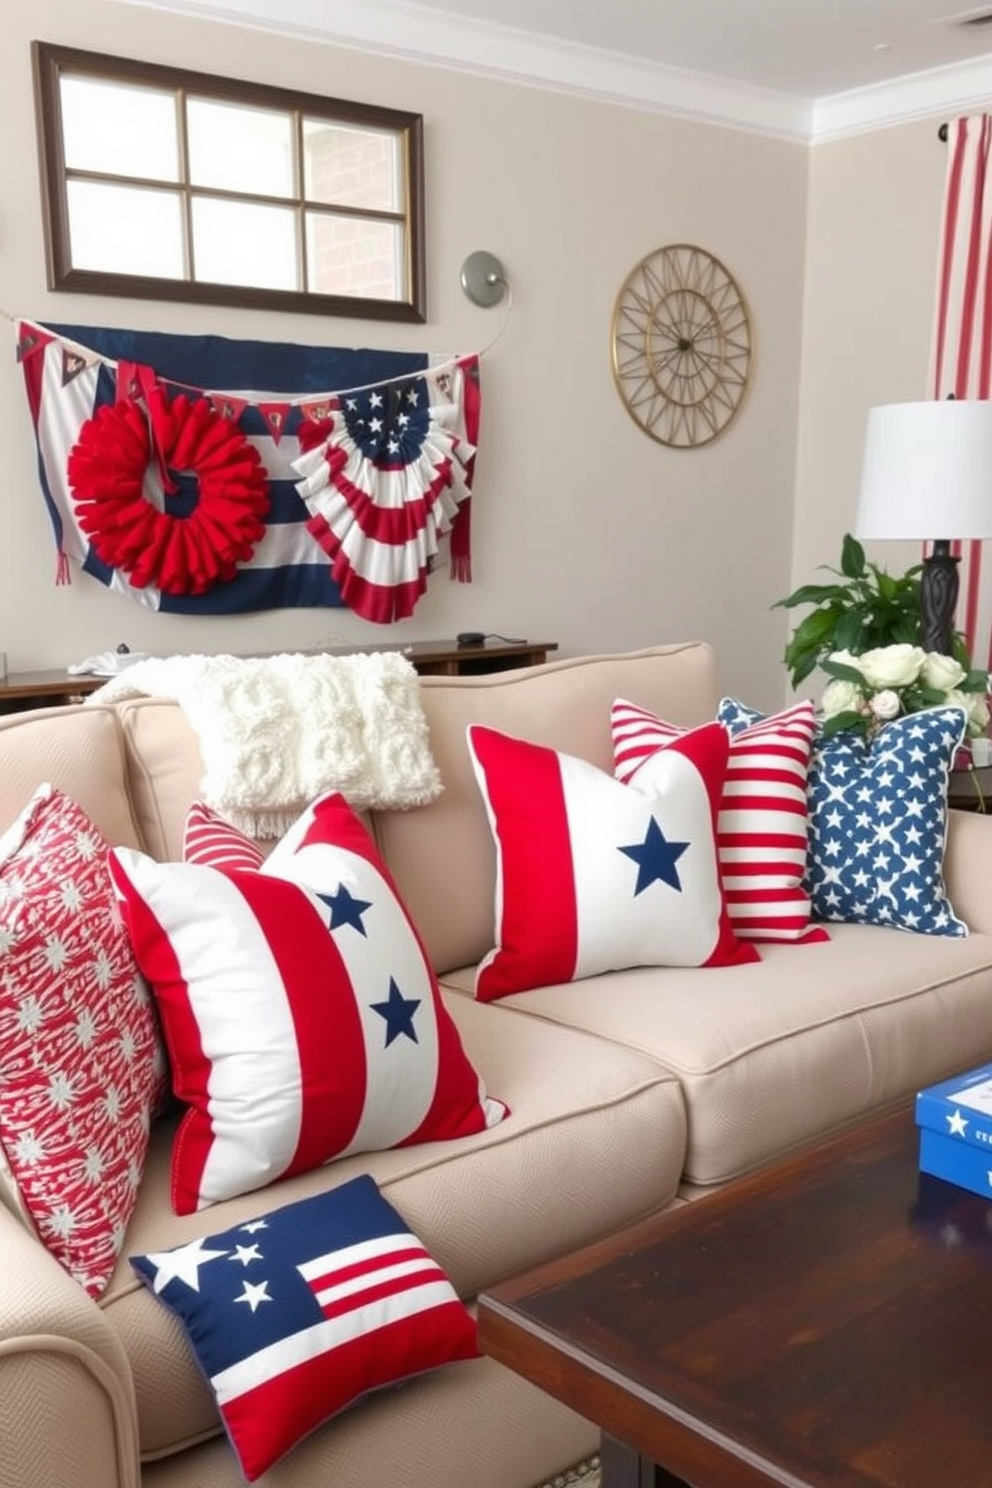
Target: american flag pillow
[763,820]
[594,877]
[297,1314]
[209,839]
[302,1016]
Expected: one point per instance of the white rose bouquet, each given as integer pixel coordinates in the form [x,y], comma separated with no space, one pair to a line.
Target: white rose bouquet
[890,681]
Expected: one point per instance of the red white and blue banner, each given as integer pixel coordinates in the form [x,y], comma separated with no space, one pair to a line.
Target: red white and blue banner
[169,466]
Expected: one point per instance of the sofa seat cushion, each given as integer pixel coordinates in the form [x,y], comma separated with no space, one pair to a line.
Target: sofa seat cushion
[772,1055]
[517,1436]
[595,1140]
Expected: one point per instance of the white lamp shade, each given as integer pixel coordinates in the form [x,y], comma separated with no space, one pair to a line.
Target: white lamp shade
[927,471]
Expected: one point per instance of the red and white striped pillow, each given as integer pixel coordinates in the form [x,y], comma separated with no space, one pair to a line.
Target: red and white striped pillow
[209,839]
[762,824]
[303,1019]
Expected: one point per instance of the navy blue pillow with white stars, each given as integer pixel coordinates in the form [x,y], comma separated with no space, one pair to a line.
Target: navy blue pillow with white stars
[878,821]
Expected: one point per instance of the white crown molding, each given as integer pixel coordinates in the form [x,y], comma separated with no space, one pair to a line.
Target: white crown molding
[414,33]
[411,32]
[944,91]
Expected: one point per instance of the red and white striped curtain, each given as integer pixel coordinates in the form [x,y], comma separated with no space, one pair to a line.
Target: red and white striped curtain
[961,358]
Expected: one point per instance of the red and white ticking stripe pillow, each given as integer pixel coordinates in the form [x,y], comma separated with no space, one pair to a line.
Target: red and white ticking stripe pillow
[209,839]
[302,1016]
[762,825]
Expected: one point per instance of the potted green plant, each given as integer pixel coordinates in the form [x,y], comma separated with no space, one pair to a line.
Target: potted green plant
[864,608]
[863,633]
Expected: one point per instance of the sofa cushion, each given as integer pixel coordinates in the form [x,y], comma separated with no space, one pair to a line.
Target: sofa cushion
[878,820]
[297,1313]
[595,1140]
[81,1061]
[773,1055]
[593,876]
[81,752]
[762,825]
[252,969]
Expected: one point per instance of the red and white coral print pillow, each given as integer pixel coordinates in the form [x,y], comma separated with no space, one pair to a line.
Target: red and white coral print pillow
[80,1057]
[594,877]
[762,826]
[302,1016]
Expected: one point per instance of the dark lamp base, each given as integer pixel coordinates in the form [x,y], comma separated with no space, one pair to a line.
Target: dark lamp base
[938,599]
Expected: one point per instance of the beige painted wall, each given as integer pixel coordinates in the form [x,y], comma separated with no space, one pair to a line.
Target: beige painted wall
[874,218]
[585,530]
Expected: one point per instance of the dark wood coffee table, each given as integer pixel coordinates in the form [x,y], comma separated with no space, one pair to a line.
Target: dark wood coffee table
[826,1323]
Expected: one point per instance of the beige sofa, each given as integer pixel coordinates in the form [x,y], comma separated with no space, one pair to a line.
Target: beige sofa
[624,1089]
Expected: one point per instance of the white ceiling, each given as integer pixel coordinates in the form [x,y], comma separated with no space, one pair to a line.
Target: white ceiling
[807,68]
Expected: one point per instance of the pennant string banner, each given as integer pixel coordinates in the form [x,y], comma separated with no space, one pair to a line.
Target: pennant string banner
[206,475]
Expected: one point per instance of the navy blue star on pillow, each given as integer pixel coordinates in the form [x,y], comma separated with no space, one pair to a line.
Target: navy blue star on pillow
[398,1011]
[878,821]
[655,858]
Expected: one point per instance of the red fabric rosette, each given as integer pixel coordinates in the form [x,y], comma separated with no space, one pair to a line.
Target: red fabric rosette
[179,554]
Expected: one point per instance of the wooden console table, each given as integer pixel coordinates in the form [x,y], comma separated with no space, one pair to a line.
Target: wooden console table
[971,790]
[20,690]
[49,689]
[446,659]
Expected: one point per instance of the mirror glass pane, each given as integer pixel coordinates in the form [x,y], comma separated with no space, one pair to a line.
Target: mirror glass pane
[351,167]
[355,256]
[125,230]
[237,148]
[244,243]
[119,130]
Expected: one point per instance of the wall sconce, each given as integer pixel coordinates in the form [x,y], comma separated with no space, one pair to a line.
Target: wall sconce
[483,279]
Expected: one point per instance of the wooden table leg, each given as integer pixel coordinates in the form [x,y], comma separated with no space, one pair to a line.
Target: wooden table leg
[622,1467]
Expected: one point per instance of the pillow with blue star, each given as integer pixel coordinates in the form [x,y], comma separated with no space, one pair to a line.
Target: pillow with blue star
[297,1314]
[593,876]
[301,1014]
[878,820]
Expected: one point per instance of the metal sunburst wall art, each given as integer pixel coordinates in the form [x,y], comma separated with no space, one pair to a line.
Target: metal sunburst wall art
[681,343]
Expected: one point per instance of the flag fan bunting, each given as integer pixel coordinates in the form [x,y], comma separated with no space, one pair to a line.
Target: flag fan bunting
[205,475]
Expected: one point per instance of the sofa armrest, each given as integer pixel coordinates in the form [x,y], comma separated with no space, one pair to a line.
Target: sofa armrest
[67,1413]
[968,868]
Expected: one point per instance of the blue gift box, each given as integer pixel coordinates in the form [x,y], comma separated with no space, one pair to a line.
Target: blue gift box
[955,1121]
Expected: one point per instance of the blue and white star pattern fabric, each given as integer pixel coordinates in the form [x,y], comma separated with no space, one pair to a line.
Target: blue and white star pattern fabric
[878,821]
[296,1314]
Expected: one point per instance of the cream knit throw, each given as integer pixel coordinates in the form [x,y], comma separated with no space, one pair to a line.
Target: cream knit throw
[276,731]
